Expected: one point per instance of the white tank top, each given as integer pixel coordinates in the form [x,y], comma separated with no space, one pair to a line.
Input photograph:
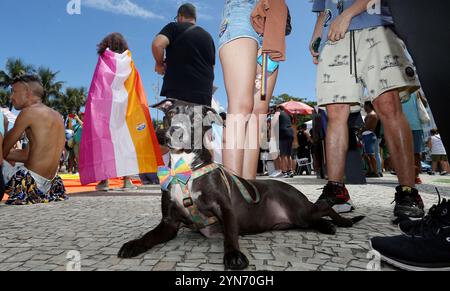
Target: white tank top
[437,147]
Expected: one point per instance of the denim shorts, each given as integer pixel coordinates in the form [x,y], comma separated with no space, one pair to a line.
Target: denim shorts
[370,141]
[236,22]
[419,145]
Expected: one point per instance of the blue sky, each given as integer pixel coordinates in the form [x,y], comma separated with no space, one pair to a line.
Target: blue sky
[43,33]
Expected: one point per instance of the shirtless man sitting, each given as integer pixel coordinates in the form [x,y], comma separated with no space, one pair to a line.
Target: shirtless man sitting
[370,139]
[37,164]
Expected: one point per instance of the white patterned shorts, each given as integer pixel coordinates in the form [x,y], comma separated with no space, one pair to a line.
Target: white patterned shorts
[380,64]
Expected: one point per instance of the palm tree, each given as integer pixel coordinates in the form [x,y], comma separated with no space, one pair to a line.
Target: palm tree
[52,87]
[72,100]
[14,68]
[4,98]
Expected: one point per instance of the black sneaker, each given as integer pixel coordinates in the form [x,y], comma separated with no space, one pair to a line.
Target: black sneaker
[291,174]
[426,247]
[336,195]
[438,217]
[408,204]
[288,174]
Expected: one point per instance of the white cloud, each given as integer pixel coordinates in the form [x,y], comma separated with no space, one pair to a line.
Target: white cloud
[124,7]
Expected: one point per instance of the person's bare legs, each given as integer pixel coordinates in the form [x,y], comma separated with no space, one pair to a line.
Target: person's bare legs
[291,168]
[444,166]
[337,138]
[284,164]
[238,60]
[398,136]
[294,164]
[366,160]
[261,108]
[418,164]
[128,183]
[434,166]
[337,141]
[373,164]
[102,185]
[277,163]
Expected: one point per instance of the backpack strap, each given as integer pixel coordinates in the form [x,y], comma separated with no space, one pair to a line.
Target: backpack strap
[183,34]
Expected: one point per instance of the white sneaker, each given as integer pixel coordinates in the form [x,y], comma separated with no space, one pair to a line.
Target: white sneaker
[277,175]
[346,207]
[273,174]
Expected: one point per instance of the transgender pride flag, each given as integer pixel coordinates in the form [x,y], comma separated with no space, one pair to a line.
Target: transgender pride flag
[118,138]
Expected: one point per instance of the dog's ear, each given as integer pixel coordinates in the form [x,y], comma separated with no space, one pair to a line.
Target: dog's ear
[164,105]
[211,116]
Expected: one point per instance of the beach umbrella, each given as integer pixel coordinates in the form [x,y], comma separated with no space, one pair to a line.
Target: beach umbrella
[296,107]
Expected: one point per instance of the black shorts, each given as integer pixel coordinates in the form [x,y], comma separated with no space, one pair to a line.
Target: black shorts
[286,147]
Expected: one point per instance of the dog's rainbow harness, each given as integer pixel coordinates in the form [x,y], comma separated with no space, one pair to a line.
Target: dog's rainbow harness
[181,174]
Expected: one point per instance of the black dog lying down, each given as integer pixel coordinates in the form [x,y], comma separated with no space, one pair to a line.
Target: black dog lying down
[218,198]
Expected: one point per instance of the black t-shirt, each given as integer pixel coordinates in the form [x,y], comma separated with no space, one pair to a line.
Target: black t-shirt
[286,130]
[303,141]
[190,64]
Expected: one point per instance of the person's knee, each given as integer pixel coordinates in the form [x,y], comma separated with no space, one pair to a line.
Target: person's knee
[338,113]
[241,107]
[388,106]
[259,110]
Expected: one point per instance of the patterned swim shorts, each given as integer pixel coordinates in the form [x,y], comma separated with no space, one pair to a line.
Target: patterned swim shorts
[22,190]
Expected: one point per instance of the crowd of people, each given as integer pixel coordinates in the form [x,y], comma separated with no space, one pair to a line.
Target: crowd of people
[359,57]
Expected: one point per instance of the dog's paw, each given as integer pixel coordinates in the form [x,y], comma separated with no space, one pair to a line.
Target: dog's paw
[132,249]
[235,260]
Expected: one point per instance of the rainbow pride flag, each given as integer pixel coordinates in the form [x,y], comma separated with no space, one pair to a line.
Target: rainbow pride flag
[118,138]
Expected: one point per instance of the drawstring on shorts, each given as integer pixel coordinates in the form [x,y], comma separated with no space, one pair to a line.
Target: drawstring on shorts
[353,60]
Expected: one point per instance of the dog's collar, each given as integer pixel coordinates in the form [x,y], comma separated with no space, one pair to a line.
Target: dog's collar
[182,174]
[200,220]
[203,170]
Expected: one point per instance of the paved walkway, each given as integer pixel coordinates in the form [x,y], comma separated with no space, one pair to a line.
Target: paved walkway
[93,227]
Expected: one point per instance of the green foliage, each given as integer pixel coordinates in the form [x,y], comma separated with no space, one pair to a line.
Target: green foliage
[4,98]
[72,99]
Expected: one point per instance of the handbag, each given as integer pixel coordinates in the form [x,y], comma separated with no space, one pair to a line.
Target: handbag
[423,113]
